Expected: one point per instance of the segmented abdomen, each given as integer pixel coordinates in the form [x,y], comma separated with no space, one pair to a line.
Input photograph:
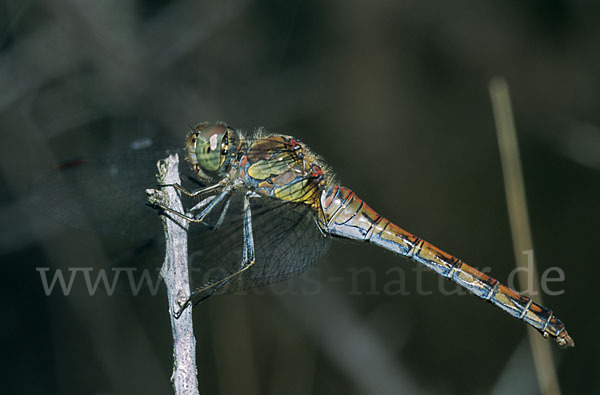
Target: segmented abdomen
[348,216]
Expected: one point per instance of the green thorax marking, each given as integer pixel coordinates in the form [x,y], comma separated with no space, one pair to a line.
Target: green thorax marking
[283,168]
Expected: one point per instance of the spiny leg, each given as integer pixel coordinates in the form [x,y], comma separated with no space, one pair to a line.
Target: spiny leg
[248,259]
[200,205]
[197,192]
[198,218]
[222,216]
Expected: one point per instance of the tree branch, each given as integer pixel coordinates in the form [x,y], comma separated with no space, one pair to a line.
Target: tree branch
[175,274]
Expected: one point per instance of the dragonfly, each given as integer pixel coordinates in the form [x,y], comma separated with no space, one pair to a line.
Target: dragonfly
[268,209]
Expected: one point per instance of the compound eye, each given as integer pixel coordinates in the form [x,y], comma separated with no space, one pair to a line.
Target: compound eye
[211,146]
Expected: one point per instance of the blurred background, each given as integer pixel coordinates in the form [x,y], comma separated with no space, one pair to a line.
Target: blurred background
[394,95]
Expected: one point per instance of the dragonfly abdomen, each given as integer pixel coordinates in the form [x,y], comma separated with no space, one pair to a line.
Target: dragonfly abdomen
[346,215]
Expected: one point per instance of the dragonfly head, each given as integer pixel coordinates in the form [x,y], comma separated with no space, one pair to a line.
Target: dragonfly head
[208,149]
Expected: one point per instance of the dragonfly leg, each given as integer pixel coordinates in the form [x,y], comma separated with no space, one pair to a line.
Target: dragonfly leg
[197,192]
[203,203]
[248,259]
[221,216]
[198,218]
[213,203]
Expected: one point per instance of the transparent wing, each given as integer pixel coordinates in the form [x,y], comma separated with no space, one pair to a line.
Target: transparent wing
[103,195]
[287,242]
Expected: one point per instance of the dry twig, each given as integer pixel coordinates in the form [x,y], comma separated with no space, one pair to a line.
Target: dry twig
[176,277]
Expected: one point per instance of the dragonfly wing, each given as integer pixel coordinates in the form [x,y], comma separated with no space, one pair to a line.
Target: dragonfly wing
[287,242]
[105,195]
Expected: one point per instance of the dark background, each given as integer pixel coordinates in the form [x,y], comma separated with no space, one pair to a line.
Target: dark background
[394,95]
